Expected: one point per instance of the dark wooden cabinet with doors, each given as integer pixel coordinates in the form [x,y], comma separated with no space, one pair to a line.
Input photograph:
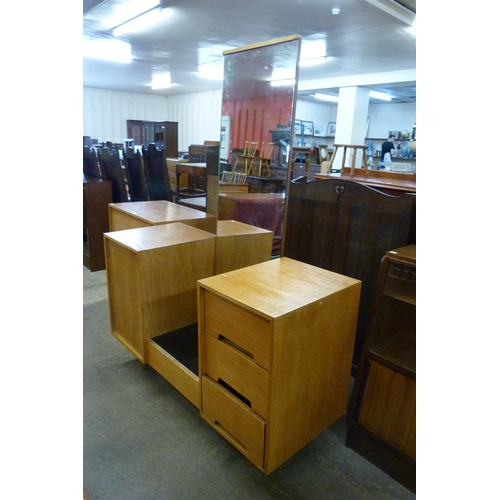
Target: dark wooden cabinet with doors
[381,420]
[162,133]
[346,227]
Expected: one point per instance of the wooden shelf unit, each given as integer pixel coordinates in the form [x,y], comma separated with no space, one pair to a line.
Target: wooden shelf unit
[276,342]
[381,422]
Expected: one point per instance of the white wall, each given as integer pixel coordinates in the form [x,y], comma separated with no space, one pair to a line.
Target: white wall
[383,117]
[105,115]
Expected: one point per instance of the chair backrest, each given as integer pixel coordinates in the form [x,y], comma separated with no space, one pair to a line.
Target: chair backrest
[267,150]
[250,148]
[111,168]
[134,170]
[90,163]
[155,165]
[197,153]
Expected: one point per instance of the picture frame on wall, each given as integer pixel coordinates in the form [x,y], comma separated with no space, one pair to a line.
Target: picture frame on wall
[318,131]
[308,127]
[298,127]
[331,128]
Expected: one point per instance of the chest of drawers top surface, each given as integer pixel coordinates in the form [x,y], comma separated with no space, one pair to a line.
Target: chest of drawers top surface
[152,237]
[159,212]
[277,287]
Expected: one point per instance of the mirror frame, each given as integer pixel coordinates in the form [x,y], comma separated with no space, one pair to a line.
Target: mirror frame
[249,70]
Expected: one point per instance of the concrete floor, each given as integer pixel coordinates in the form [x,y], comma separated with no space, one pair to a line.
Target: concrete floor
[142,440]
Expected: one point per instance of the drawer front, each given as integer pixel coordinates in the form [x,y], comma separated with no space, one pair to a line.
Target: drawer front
[243,428]
[250,333]
[226,364]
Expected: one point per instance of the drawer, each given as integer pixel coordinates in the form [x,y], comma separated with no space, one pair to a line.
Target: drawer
[249,332]
[242,427]
[223,362]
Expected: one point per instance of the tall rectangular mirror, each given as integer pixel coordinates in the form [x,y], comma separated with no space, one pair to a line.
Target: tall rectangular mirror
[258,111]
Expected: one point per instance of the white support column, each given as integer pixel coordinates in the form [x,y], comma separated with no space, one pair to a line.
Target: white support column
[352,114]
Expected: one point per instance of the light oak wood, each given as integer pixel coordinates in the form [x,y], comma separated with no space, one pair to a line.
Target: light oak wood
[242,427]
[152,213]
[184,380]
[289,320]
[151,275]
[239,245]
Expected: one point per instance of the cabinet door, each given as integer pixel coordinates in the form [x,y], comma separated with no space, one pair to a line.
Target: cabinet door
[389,408]
[135,131]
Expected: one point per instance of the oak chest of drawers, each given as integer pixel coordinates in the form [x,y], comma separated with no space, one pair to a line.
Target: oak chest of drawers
[275,349]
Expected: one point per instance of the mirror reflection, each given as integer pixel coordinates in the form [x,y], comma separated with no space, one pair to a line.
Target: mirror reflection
[258,109]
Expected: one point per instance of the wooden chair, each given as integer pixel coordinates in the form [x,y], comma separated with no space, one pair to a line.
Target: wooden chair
[265,157]
[136,177]
[90,163]
[155,166]
[247,158]
[354,147]
[112,171]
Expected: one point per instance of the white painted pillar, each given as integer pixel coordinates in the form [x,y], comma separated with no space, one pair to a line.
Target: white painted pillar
[352,114]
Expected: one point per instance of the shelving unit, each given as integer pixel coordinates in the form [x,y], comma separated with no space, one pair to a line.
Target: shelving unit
[382,413]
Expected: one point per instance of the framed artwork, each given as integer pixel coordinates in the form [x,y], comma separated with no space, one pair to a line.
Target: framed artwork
[318,131]
[298,127]
[308,128]
[330,129]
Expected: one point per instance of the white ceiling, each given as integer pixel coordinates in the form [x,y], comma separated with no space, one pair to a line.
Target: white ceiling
[365,45]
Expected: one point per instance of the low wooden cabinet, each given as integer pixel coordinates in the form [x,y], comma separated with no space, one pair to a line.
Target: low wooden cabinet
[276,342]
[153,213]
[97,195]
[382,412]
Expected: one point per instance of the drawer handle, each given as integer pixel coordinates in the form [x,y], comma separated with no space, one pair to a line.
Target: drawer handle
[234,392]
[220,426]
[225,340]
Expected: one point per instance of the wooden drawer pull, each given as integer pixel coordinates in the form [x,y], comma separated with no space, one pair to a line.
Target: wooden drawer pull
[236,346]
[218,424]
[234,392]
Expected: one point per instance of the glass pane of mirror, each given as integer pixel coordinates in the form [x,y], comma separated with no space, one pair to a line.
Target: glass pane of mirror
[258,109]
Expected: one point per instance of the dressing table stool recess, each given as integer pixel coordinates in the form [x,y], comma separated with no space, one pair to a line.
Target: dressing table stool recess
[152,274]
[275,342]
[136,214]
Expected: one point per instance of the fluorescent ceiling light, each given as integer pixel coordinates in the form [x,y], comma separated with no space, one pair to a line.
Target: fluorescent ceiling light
[211,71]
[163,81]
[395,9]
[109,50]
[282,83]
[326,97]
[380,95]
[140,22]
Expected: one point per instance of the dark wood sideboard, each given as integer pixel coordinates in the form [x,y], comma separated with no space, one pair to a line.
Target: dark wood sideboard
[97,194]
[346,227]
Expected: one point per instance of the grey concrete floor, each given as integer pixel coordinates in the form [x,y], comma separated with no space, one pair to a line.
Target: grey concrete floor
[142,440]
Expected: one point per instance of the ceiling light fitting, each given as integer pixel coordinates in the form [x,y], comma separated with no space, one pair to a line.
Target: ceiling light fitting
[335,11]
[380,95]
[139,22]
[326,97]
